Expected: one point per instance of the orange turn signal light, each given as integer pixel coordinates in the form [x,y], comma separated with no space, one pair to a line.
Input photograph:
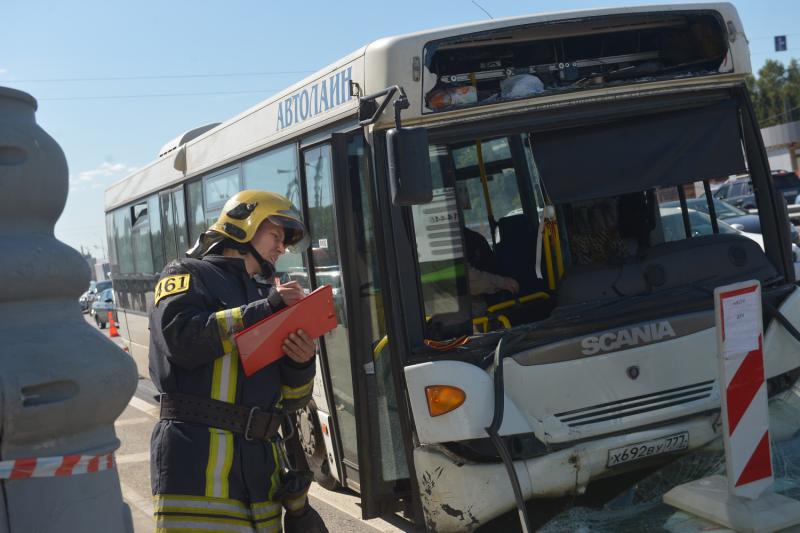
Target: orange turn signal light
[443,398]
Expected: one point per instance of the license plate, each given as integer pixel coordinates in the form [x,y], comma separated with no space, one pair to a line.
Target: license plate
[650,448]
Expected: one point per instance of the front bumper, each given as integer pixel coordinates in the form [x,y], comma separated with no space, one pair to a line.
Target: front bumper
[460,496]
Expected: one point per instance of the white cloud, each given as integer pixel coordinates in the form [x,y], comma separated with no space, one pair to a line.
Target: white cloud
[104,174]
[3,71]
[105,170]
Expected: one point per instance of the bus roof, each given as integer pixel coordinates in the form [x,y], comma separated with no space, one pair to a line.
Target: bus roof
[324,98]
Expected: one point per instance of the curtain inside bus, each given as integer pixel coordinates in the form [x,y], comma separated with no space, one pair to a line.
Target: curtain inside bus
[638,154]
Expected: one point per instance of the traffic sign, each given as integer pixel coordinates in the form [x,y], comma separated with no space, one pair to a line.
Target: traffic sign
[780,43]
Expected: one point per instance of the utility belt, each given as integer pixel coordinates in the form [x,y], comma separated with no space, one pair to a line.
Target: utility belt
[251,422]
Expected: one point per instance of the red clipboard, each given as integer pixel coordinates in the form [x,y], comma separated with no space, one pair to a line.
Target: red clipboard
[262,343]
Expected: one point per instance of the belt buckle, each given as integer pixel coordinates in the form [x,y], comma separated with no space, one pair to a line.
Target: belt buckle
[247,435]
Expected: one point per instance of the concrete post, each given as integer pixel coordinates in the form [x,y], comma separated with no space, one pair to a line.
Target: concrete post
[62,383]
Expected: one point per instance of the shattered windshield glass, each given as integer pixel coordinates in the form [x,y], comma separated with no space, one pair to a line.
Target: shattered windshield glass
[542,59]
[640,506]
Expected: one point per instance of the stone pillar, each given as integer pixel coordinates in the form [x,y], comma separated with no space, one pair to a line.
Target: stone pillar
[62,382]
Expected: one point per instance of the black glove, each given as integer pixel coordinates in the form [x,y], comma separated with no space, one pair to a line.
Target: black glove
[308,522]
[294,484]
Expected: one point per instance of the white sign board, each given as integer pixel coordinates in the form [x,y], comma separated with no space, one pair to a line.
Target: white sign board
[743,388]
[436,223]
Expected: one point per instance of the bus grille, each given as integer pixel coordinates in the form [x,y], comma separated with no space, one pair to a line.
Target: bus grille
[637,404]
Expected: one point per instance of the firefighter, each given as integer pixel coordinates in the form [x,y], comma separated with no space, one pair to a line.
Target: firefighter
[216,461]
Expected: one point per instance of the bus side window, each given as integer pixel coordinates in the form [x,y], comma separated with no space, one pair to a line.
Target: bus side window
[194,210]
[274,171]
[442,267]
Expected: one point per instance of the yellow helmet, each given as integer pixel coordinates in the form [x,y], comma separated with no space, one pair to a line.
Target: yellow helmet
[242,215]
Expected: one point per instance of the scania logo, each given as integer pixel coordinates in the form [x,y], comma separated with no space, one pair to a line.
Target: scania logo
[612,341]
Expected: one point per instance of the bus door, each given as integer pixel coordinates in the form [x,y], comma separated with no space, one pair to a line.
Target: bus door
[358,381]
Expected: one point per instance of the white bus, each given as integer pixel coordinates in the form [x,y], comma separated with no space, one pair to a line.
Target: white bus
[432,167]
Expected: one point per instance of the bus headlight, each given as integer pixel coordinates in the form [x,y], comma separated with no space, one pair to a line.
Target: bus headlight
[443,398]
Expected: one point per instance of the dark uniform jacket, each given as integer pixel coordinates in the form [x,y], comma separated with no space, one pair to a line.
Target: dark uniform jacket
[187,336]
[199,304]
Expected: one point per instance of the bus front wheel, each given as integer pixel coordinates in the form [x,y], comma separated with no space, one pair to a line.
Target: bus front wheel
[313,445]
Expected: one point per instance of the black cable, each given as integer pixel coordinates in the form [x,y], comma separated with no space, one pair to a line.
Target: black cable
[777,315]
[509,339]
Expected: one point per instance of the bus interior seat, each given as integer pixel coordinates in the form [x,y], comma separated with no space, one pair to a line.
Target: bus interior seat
[479,252]
[711,259]
[608,230]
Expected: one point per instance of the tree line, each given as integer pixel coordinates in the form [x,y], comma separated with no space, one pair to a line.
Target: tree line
[776,92]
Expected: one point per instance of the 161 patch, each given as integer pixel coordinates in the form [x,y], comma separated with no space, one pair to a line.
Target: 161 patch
[171,285]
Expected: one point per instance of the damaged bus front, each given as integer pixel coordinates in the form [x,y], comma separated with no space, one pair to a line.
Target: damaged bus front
[557,317]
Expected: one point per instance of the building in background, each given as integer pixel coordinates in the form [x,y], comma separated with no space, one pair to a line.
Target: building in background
[99,270]
[782,143]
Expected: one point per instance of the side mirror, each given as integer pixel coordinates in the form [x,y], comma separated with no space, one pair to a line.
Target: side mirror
[409,166]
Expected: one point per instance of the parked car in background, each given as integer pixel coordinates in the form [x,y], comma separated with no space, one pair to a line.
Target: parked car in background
[95,288]
[100,286]
[739,191]
[738,218]
[788,183]
[85,302]
[102,305]
[672,224]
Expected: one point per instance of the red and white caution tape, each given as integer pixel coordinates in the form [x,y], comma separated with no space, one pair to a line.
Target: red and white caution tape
[63,465]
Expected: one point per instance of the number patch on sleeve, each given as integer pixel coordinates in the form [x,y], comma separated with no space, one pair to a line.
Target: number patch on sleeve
[171,285]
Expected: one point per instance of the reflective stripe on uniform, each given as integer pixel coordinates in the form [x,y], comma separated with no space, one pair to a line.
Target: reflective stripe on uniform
[223,385]
[294,393]
[199,505]
[269,526]
[275,478]
[178,523]
[265,510]
[183,513]
[223,388]
[220,459]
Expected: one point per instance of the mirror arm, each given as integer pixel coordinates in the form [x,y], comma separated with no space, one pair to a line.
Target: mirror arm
[399,104]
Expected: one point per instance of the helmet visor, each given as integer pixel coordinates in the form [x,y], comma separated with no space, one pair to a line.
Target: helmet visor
[296,236]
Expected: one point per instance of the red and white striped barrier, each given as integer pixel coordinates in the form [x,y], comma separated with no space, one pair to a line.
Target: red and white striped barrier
[744,400]
[64,465]
[740,501]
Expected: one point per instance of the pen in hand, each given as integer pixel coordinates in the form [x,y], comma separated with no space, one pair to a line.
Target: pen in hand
[290,292]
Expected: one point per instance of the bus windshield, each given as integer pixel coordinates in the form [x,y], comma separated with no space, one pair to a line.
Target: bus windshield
[522,225]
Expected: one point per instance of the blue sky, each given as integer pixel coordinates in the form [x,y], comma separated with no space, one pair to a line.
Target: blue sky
[115,81]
